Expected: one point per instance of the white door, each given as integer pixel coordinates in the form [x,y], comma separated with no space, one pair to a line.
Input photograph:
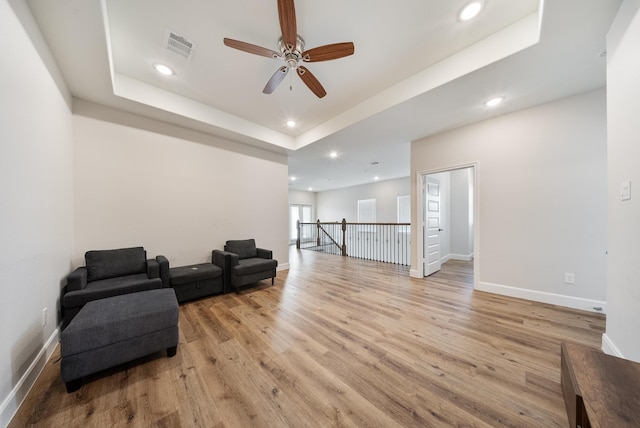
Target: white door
[432,227]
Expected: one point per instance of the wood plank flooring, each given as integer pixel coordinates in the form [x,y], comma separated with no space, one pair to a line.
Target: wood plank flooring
[338,342]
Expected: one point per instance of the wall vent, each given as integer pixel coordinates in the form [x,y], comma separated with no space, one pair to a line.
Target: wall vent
[178,44]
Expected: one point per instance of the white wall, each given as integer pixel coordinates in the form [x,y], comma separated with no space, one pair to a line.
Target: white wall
[541,198]
[176,192]
[36,219]
[301,197]
[334,205]
[461,209]
[623,105]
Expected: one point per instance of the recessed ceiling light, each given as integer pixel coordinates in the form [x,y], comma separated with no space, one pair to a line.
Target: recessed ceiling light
[163,69]
[291,123]
[376,178]
[333,155]
[293,178]
[494,101]
[470,11]
[310,188]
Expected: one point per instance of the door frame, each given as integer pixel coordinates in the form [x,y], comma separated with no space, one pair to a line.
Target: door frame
[417,269]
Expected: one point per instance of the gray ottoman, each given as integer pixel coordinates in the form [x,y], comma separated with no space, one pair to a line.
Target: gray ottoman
[194,281]
[112,331]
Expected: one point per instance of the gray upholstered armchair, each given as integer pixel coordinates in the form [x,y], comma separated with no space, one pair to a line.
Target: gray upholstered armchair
[110,273]
[243,263]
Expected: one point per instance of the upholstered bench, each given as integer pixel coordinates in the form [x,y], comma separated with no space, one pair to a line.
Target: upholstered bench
[112,331]
[191,282]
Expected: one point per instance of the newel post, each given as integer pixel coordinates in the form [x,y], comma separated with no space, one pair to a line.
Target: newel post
[344,241]
[318,232]
[298,237]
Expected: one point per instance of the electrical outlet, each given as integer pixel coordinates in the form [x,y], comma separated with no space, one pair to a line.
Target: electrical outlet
[44,317]
[569,278]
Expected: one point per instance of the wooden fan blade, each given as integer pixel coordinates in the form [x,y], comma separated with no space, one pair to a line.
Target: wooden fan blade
[287,15]
[311,81]
[252,49]
[275,80]
[328,52]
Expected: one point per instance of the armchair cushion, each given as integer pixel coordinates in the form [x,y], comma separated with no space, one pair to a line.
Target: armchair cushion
[254,265]
[245,248]
[103,264]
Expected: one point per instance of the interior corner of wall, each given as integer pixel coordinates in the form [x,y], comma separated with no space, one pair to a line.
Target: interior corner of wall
[283,266]
[13,401]
[608,347]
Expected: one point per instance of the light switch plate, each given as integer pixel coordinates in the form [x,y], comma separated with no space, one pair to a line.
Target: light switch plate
[625,191]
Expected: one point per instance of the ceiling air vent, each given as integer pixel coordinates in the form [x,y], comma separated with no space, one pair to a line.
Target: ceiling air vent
[178,44]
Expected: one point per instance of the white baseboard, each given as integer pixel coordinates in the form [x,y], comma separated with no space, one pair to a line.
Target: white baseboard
[415,273]
[608,347]
[283,266]
[463,257]
[12,402]
[544,297]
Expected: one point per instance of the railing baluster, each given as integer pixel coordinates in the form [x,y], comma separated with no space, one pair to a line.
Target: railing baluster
[384,242]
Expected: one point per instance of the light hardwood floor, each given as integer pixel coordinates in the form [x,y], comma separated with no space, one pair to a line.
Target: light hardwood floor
[338,342]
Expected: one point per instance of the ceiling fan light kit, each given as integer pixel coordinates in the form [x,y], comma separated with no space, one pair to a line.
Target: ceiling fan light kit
[292,51]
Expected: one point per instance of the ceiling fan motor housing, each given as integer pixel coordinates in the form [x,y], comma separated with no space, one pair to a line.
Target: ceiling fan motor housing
[292,56]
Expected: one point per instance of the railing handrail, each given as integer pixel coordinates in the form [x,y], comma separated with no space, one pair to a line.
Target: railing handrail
[346,222]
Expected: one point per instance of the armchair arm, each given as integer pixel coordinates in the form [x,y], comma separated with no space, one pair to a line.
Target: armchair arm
[77,279]
[153,269]
[224,259]
[264,254]
[163,263]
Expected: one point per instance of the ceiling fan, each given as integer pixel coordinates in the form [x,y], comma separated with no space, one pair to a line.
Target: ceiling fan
[292,51]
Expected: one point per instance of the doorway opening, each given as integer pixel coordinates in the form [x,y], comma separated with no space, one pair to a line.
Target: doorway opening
[447,213]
